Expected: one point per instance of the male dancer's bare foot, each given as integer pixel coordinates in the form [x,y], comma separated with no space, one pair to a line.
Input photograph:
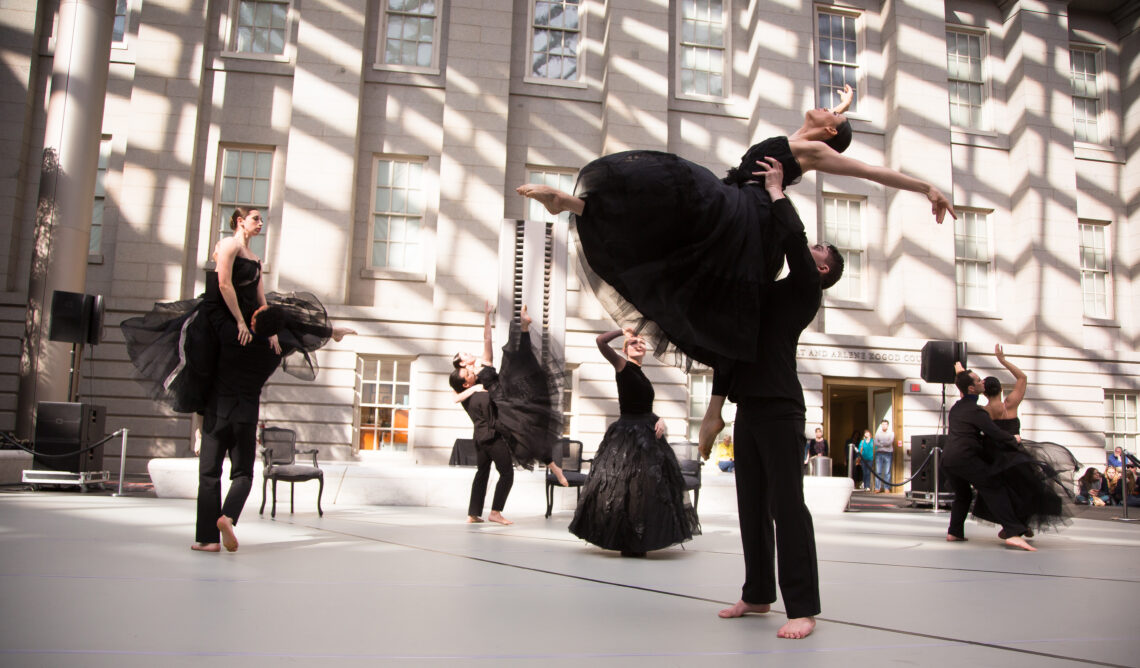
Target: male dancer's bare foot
[800,627]
[950,538]
[741,608]
[1019,543]
[472,519]
[229,538]
[498,518]
[557,471]
[206,547]
[553,200]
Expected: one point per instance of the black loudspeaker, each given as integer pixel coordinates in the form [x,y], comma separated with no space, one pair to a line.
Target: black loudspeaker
[938,359]
[63,428]
[70,317]
[76,318]
[920,447]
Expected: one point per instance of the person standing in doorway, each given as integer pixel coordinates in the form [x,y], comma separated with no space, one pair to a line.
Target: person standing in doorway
[884,456]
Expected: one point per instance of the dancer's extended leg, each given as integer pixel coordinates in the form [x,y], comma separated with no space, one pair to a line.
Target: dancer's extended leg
[555,201]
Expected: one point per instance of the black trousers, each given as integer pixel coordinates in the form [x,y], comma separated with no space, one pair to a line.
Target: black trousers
[969,471]
[769,439]
[499,452]
[239,441]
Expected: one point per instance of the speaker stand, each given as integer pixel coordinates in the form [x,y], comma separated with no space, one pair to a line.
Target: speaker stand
[73,378]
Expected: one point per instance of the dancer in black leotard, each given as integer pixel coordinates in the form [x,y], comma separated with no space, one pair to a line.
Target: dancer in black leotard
[634,499]
[679,254]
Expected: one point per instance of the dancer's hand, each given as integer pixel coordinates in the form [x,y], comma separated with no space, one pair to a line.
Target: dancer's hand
[244,336]
[711,425]
[525,319]
[958,368]
[339,333]
[487,308]
[275,344]
[659,428]
[773,173]
[939,205]
[999,353]
[845,97]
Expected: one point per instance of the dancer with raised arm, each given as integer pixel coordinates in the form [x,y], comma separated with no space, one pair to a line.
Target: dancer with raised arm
[516,412]
[634,498]
[678,254]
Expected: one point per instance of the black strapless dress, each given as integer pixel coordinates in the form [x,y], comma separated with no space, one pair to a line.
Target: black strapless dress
[1039,477]
[634,498]
[679,255]
[174,347]
[527,395]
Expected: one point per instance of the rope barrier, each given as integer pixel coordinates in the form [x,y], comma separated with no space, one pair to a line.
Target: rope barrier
[8,438]
[912,477]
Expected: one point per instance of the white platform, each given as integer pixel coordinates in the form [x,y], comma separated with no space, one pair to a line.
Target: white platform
[393,483]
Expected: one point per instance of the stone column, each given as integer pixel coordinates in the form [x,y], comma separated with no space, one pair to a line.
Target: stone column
[67,190]
[1043,198]
[320,170]
[635,85]
[917,143]
[1128,238]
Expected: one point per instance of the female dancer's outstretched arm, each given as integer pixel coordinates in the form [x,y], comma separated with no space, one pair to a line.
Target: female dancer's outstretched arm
[611,355]
[1020,382]
[488,350]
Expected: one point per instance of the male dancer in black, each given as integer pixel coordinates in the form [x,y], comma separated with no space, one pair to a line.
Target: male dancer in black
[964,461]
[229,425]
[769,431]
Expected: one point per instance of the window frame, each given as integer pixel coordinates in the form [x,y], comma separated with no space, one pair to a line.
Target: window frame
[290,48]
[846,251]
[1097,52]
[678,57]
[860,55]
[382,39]
[1110,418]
[583,22]
[99,201]
[419,271]
[1104,227]
[985,83]
[358,426]
[217,231]
[991,262]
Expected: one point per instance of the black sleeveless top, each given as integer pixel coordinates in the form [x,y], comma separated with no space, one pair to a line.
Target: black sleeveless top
[245,276]
[1010,425]
[635,392]
[772,147]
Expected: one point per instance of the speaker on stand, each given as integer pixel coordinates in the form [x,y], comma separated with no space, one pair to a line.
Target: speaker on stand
[938,358]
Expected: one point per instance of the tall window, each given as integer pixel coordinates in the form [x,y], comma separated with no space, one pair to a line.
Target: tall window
[1086,94]
[964,58]
[246,175]
[556,39]
[1094,269]
[397,214]
[973,260]
[119,27]
[261,26]
[564,181]
[95,245]
[568,401]
[843,227]
[703,48]
[837,60]
[1120,420]
[383,402]
[411,33]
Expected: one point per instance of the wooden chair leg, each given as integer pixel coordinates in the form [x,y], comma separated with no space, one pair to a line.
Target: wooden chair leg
[292,495]
[320,491]
[264,479]
[549,498]
[273,509]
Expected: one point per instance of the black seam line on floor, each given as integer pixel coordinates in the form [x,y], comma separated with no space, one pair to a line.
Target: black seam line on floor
[651,590]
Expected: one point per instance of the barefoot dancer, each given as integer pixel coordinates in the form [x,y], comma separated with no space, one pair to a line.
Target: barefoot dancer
[768,442]
[678,254]
[967,462]
[515,414]
[229,425]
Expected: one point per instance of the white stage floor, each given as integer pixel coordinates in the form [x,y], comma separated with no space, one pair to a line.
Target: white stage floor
[93,580]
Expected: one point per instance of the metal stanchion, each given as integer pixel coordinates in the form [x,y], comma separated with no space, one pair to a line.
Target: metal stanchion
[937,452]
[1124,488]
[122,461]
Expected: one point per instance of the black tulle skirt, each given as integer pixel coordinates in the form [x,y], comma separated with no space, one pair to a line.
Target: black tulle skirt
[174,347]
[528,401]
[676,254]
[634,498]
[1040,480]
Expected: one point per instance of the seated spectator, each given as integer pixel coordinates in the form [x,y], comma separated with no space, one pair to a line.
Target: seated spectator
[724,455]
[1092,490]
[1112,485]
[1133,499]
[1117,457]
